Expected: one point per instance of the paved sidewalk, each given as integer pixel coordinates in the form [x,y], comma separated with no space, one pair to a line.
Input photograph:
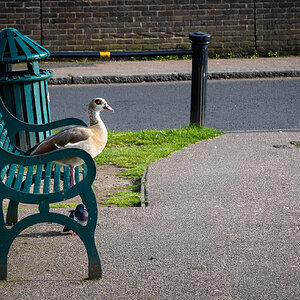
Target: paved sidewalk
[222,223]
[151,71]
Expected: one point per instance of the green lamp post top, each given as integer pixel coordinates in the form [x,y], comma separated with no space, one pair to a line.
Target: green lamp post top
[16,47]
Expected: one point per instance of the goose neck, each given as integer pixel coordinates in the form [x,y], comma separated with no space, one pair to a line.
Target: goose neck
[94,117]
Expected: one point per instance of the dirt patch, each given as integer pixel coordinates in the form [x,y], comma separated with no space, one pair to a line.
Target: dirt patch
[107,181]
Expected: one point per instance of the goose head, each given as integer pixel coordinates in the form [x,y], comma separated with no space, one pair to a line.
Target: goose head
[98,104]
[95,106]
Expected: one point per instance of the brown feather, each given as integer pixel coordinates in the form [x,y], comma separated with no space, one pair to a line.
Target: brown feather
[70,135]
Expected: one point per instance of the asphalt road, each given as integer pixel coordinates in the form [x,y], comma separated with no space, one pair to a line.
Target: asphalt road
[232,105]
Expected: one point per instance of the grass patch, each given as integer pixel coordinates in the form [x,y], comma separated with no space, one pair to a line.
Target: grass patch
[63,205]
[122,199]
[57,205]
[136,150]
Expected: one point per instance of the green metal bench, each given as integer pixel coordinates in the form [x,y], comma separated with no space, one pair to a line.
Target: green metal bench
[38,180]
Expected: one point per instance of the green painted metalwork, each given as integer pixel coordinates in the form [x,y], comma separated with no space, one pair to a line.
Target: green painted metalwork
[47,179]
[66,177]
[57,176]
[25,93]
[29,114]
[16,47]
[77,175]
[14,78]
[45,114]
[21,179]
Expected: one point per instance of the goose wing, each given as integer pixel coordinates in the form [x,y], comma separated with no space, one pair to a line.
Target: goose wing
[64,138]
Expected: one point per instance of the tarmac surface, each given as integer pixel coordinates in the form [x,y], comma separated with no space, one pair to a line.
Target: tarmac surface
[222,222]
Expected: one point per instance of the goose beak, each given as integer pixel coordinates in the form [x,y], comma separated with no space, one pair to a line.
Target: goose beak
[107,107]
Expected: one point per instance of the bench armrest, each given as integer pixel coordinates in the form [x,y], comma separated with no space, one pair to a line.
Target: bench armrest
[15,125]
[45,127]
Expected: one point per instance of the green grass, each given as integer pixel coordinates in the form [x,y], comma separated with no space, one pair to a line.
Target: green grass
[64,205]
[295,143]
[135,150]
[57,205]
[273,54]
[122,199]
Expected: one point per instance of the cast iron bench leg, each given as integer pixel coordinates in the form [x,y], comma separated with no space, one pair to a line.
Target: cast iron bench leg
[5,243]
[94,263]
[3,265]
[12,213]
[95,270]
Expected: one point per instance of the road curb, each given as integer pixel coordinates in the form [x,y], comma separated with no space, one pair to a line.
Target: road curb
[144,200]
[106,79]
[254,74]
[138,78]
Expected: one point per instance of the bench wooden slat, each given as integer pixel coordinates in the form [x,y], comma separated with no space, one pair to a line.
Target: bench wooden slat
[3,137]
[2,140]
[11,174]
[37,179]
[7,145]
[77,171]
[47,179]
[4,143]
[66,178]
[1,125]
[28,180]
[19,180]
[9,170]
[3,172]
[57,175]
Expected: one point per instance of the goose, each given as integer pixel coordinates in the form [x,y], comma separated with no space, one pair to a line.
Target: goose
[92,139]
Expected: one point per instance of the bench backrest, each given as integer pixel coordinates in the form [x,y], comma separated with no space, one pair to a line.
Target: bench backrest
[5,138]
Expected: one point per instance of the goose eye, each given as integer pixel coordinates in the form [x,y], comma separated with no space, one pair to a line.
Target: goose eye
[98,102]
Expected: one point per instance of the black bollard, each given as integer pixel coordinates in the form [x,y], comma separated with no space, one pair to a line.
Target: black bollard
[200,43]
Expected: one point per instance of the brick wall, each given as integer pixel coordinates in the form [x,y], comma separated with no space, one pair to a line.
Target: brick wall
[83,25]
[22,15]
[278,26]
